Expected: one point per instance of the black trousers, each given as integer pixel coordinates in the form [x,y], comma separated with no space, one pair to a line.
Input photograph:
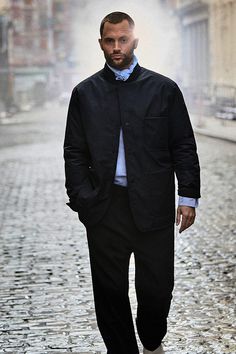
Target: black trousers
[111,243]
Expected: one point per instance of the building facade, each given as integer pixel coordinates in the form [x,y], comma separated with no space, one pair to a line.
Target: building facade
[31,51]
[4,60]
[35,50]
[207,30]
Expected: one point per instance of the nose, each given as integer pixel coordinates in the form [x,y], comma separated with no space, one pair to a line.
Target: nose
[116,47]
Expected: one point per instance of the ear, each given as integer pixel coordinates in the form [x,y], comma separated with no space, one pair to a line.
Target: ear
[100,43]
[136,43]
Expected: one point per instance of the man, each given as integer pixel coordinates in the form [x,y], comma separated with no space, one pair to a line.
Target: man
[128,132]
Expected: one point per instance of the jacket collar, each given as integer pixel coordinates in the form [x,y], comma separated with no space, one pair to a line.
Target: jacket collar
[109,75]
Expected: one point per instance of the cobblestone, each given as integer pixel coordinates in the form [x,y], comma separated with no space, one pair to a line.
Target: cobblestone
[46,301]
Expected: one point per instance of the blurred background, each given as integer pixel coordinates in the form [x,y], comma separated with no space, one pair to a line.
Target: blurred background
[48,46]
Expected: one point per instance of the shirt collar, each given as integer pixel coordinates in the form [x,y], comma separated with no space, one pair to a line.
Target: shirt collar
[125,73]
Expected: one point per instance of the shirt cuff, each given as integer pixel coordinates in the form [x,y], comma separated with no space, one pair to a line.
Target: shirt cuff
[186,201]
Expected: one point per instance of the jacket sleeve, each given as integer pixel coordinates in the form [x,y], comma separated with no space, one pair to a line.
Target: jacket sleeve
[183,147]
[76,153]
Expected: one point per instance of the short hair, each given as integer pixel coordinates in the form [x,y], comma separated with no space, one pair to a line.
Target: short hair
[116,17]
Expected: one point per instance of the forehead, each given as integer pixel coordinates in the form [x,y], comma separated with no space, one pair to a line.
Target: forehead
[117,29]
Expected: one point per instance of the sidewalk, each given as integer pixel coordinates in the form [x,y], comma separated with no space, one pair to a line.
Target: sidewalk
[204,125]
[27,116]
[214,127]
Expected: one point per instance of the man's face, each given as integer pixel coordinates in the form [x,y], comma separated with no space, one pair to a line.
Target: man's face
[118,44]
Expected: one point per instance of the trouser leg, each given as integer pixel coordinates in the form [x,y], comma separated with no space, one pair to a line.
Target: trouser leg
[110,252]
[154,281]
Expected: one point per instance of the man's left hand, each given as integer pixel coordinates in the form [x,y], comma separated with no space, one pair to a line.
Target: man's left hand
[186,216]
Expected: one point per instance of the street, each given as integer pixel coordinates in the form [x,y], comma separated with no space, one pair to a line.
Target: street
[46,299]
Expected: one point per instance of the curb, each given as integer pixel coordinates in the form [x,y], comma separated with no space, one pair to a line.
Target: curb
[209,134]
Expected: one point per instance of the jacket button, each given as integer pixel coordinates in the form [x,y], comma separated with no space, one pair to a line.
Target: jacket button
[127,124]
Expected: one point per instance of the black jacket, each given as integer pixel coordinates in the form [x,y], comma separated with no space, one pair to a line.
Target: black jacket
[158,140]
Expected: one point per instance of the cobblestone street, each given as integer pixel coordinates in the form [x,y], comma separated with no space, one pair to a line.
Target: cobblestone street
[46,300]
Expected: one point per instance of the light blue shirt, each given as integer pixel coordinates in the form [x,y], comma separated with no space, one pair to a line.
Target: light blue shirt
[125,73]
[121,175]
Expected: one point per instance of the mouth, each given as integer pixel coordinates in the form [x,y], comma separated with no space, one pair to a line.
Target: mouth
[117,56]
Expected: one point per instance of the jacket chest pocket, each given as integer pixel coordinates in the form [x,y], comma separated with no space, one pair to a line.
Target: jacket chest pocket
[155,130]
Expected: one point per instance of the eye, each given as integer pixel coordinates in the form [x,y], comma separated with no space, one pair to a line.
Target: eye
[108,40]
[124,40]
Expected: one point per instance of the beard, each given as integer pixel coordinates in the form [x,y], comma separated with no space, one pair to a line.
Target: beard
[123,62]
[120,64]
